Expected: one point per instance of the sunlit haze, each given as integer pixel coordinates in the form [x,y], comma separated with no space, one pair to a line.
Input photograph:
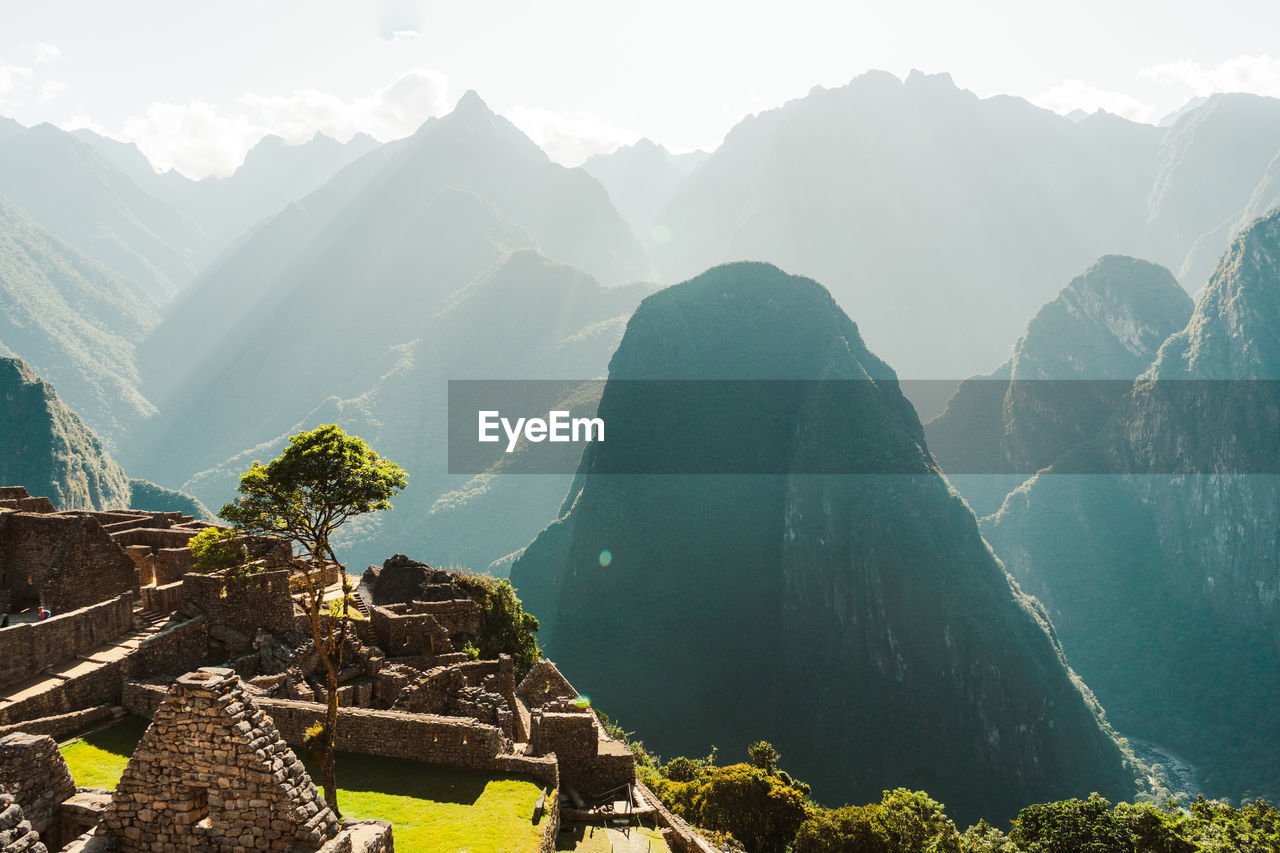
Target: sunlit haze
[196,85]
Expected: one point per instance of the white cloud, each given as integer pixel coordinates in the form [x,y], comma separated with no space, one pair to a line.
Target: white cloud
[51,89]
[194,138]
[13,79]
[1071,95]
[204,140]
[1257,74]
[570,138]
[392,112]
[46,52]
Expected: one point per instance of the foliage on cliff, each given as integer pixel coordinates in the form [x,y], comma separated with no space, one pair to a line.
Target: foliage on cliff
[507,628]
[743,806]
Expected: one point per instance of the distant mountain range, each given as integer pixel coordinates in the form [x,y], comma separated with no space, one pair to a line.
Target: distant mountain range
[942,220]
[273,175]
[193,326]
[1151,535]
[1064,381]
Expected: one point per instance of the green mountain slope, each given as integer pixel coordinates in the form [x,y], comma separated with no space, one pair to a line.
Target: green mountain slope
[73,321]
[1062,384]
[859,623]
[68,187]
[1161,575]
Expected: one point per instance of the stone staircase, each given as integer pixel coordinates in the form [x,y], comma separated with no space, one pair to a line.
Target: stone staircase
[59,687]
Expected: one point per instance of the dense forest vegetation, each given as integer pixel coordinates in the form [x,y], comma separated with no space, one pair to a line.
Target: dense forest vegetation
[755,806]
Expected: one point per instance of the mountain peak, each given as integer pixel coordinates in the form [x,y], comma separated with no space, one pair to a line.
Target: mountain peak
[472,104]
[1231,333]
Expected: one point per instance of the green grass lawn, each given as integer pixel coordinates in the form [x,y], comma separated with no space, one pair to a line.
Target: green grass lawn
[435,809]
[97,759]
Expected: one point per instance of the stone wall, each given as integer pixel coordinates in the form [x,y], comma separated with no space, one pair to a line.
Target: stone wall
[15,830]
[213,772]
[259,601]
[544,684]
[484,690]
[65,560]
[180,647]
[452,741]
[34,772]
[589,762]
[27,649]
[424,627]
[162,599]
[683,836]
[88,683]
[551,829]
[60,726]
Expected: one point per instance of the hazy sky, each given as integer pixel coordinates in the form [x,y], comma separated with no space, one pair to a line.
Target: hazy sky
[197,84]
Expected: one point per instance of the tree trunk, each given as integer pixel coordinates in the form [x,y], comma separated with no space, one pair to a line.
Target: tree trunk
[328,775]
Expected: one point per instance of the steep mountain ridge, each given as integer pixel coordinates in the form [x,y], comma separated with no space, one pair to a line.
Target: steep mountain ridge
[1161,574]
[522,317]
[1069,371]
[273,175]
[74,321]
[69,188]
[857,622]
[49,449]
[54,454]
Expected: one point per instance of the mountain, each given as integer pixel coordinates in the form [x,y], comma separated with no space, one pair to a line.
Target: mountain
[563,212]
[68,187]
[74,321]
[1154,545]
[941,220]
[641,178]
[1211,161]
[1063,383]
[54,454]
[859,623]
[49,449]
[524,317]
[273,175]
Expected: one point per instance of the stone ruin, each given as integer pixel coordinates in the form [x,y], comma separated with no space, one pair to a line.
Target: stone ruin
[16,833]
[213,772]
[35,777]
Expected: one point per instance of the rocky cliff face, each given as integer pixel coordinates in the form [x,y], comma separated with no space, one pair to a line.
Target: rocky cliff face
[48,449]
[1163,575]
[1068,372]
[858,621]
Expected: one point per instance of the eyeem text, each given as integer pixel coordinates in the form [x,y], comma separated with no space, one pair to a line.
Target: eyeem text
[557,426]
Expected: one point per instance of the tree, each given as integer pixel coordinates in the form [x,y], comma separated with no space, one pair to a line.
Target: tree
[324,478]
[1071,826]
[764,756]
[215,549]
[755,807]
[507,628]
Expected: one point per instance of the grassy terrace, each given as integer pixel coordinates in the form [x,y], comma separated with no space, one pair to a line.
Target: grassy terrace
[434,809]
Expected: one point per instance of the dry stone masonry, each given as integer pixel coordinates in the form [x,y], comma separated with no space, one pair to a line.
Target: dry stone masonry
[34,773]
[16,834]
[212,772]
[215,771]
